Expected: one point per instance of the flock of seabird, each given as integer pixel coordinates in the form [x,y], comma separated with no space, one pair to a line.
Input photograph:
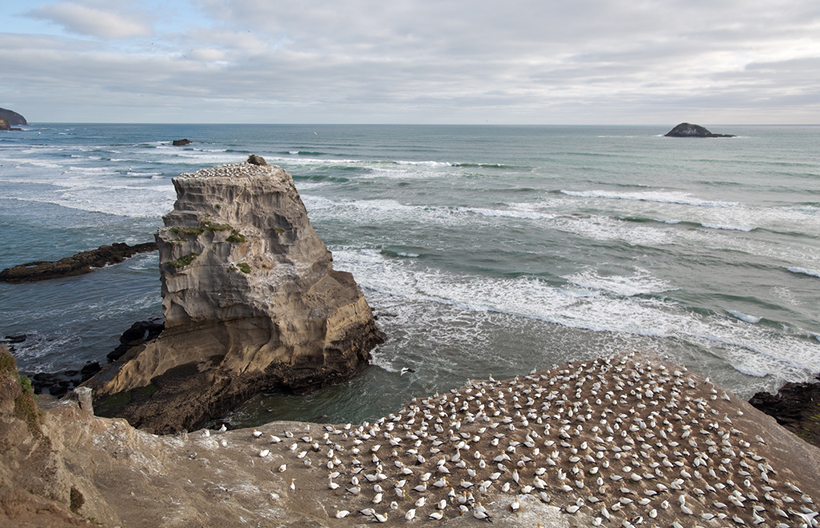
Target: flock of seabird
[628,441]
[231,170]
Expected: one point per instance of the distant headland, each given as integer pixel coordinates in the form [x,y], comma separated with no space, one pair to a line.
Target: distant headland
[690,130]
[9,119]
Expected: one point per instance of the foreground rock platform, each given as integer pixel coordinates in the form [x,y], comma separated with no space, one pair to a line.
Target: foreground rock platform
[251,302]
[628,440]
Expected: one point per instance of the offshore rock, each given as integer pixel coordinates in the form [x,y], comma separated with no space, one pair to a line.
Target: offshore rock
[78,264]
[690,130]
[251,302]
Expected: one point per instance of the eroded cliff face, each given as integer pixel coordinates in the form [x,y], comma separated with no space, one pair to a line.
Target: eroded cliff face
[251,302]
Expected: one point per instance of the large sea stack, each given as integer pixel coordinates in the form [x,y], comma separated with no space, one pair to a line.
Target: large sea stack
[251,302]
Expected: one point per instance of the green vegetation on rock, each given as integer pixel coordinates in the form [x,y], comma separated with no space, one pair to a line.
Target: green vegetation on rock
[236,236]
[7,363]
[25,405]
[109,405]
[204,226]
[244,267]
[183,261]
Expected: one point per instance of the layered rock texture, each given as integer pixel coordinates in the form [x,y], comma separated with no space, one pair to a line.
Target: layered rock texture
[251,302]
[796,406]
[690,130]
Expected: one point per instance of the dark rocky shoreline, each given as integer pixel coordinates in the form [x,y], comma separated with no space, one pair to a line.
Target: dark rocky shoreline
[796,406]
[58,384]
[78,264]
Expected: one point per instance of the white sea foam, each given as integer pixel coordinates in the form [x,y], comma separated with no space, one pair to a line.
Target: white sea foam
[744,369]
[641,282]
[198,157]
[129,201]
[590,306]
[745,317]
[506,213]
[425,163]
[804,271]
[592,227]
[651,196]
[728,228]
[311,161]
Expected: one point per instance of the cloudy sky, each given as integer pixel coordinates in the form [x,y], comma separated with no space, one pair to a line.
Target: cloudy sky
[412,61]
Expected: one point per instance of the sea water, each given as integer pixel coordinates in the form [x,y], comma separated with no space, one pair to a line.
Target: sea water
[482,249]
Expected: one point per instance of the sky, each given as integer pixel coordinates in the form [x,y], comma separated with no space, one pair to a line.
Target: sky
[412,61]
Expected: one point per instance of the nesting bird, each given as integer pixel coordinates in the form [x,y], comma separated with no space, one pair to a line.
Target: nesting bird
[626,439]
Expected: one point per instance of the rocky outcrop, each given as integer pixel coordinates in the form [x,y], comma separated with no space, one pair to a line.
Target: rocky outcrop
[59,383]
[78,264]
[12,118]
[181,142]
[796,406]
[689,130]
[251,302]
[37,486]
[139,333]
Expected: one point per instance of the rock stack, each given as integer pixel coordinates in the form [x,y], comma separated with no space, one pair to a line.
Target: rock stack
[251,302]
[690,130]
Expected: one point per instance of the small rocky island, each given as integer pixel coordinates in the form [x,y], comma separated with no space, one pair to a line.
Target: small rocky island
[251,302]
[690,130]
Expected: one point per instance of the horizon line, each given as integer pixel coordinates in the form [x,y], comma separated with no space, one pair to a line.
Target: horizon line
[40,123]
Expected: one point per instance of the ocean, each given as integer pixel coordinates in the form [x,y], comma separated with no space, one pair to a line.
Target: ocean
[483,250]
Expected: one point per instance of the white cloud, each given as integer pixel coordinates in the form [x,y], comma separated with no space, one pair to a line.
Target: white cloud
[90,21]
[527,61]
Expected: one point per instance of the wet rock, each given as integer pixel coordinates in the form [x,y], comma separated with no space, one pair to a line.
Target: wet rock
[796,406]
[15,339]
[253,159]
[59,383]
[139,333]
[78,264]
[181,142]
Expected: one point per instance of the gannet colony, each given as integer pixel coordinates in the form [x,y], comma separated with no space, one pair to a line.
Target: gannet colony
[627,441]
